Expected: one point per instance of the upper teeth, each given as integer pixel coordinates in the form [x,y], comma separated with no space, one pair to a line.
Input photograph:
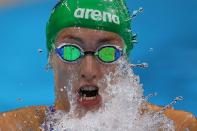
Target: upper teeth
[90,88]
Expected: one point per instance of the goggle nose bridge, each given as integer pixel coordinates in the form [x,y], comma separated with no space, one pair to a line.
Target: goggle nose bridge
[89,53]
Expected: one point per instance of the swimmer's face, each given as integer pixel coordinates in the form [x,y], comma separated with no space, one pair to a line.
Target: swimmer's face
[87,71]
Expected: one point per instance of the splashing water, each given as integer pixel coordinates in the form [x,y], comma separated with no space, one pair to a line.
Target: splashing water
[150,95]
[143,65]
[179,98]
[136,12]
[123,108]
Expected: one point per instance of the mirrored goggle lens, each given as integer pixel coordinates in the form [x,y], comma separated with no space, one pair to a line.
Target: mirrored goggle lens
[109,54]
[106,54]
[69,52]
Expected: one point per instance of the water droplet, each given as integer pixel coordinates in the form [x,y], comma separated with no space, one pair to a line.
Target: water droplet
[40,50]
[179,98]
[150,96]
[136,12]
[150,49]
[126,93]
[48,67]
[66,4]
[19,99]
[61,89]
[134,35]
[134,38]
[143,65]
[128,30]
[140,9]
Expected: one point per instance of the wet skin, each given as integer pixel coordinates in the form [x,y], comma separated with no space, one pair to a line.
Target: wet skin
[88,71]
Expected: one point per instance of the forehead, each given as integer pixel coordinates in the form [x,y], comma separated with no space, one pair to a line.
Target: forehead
[88,37]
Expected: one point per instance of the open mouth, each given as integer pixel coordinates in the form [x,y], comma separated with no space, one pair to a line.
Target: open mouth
[88,96]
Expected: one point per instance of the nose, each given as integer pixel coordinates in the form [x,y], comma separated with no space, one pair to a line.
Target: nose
[90,69]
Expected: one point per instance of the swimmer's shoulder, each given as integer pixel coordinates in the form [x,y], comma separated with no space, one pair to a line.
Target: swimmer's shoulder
[183,120]
[29,118]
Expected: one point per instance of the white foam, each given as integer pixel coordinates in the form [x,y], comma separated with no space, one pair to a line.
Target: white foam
[120,110]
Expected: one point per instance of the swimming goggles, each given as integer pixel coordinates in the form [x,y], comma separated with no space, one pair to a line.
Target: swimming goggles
[72,52]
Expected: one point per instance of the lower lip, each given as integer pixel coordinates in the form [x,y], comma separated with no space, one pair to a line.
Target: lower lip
[89,103]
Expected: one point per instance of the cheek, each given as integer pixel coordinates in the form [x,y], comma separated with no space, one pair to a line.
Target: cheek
[64,73]
[108,68]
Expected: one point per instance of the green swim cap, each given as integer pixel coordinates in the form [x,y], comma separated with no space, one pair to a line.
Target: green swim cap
[107,15]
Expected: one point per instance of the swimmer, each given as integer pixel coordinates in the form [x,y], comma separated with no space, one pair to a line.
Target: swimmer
[85,38]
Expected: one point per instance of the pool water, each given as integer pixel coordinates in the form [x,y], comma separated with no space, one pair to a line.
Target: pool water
[166,42]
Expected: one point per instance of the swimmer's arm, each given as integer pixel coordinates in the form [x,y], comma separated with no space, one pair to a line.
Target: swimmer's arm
[25,119]
[183,120]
